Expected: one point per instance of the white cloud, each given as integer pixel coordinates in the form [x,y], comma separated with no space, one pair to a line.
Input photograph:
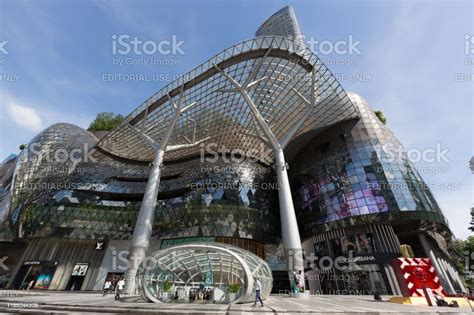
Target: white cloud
[25,117]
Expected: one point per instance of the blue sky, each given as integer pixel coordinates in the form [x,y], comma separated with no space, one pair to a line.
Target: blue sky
[411,65]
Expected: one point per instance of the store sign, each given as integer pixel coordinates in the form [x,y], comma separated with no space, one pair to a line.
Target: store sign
[99,245]
[80,269]
[40,263]
[375,258]
[357,260]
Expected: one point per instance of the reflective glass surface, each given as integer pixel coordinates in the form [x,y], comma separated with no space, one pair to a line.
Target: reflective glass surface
[355,170]
[211,272]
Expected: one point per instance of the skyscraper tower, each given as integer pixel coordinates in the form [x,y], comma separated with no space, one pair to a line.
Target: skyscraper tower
[282,23]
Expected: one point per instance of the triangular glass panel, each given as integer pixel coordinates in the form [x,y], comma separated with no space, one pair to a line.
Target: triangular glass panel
[207,198]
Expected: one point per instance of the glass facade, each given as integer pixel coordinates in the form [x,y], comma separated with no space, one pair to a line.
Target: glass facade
[356,169]
[282,23]
[42,169]
[196,202]
[98,194]
[211,272]
[347,171]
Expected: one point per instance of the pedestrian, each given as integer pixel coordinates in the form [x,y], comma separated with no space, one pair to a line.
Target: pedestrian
[107,286]
[294,283]
[119,288]
[30,284]
[258,289]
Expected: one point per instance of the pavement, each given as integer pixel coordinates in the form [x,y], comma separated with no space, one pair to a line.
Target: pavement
[65,302]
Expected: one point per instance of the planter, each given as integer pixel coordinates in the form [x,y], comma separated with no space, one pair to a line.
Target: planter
[230,297]
[165,297]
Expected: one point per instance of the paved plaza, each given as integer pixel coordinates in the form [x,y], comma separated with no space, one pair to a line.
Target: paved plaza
[67,302]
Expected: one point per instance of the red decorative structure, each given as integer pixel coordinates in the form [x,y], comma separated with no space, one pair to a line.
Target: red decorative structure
[416,274]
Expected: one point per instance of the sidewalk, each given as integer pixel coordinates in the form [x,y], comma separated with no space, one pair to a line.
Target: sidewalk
[70,302]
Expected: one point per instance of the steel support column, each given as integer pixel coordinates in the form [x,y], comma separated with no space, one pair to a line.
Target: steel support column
[289,226]
[144,225]
[146,216]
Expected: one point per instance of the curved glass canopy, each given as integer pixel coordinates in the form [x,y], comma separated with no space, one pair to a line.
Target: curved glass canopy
[223,117]
[203,272]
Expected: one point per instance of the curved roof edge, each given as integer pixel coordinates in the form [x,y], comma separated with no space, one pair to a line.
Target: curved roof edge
[281,47]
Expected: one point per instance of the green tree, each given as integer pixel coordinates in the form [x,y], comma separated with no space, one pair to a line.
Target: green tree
[105,121]
[468,250]
[463,251]
[381,116]
[472,220]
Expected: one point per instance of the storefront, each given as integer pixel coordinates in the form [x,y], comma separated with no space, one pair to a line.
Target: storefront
[10,260]
[58,264]
[35,274]
[351,262]
[77,276]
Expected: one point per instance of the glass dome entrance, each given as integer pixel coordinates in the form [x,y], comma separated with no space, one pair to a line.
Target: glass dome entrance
[203,272]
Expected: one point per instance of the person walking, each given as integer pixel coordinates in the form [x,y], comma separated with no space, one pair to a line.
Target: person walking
[258,289]
[107,286]
[294,284]
[30,284]
[119,288]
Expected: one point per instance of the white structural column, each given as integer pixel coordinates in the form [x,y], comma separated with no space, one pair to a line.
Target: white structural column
[289,227]
[144,225]
[447,285]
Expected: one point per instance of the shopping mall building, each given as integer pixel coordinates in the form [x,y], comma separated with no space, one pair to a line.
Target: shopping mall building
[268,153]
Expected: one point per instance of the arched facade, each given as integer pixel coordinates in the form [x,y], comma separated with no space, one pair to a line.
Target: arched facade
[212,272]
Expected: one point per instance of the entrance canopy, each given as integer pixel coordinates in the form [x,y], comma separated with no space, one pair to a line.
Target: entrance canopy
[212,272]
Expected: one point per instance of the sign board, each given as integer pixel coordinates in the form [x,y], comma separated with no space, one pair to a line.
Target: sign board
[99,245]
[80,269]
[40,263]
